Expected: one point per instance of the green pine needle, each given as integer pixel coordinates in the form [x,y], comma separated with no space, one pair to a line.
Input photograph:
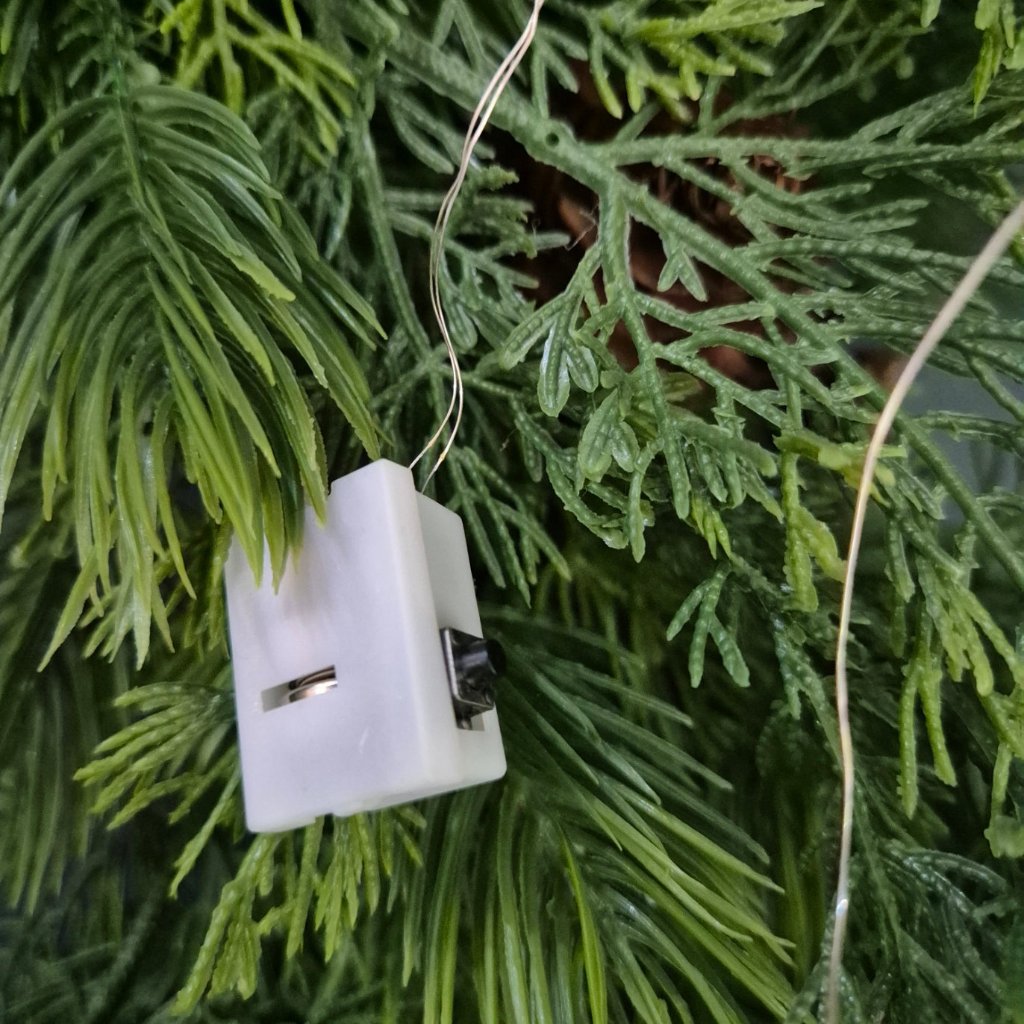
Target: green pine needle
[206,210]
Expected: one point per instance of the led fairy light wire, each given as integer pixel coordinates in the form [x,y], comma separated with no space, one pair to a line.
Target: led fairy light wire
[477,125]
[954,305]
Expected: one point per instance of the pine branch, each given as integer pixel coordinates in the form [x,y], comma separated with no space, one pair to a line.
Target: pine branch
[160,279]
[172,248]
[248,46]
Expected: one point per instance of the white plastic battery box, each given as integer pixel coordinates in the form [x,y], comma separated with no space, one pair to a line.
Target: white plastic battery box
[362,681]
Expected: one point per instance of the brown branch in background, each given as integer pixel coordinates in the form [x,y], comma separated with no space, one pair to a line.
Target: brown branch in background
[561,204]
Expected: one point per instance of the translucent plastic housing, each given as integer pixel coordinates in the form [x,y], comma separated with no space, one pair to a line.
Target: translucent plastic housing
[362,603]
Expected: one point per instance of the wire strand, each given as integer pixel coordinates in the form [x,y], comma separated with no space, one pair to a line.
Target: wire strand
[954,305]
[477,124]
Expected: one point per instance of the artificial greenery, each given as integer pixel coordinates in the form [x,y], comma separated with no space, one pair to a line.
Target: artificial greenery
[214,225]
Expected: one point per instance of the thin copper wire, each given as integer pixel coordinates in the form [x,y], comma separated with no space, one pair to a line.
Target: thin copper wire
[478,122]
[954,305]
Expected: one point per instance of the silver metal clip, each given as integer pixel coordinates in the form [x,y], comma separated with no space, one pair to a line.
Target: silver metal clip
[313,684]
[473,664]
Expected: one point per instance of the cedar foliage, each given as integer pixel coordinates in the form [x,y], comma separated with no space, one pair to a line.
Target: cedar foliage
[214,221]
